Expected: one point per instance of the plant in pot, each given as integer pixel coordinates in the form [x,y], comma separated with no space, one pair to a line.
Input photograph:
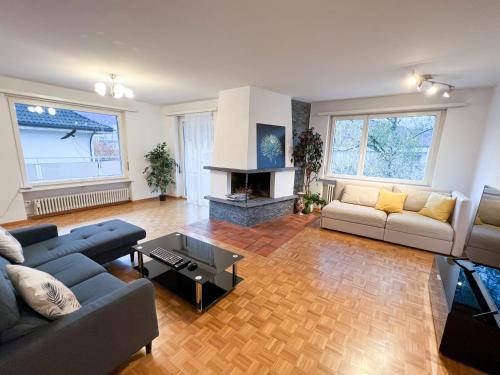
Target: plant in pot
[160,171]
[313,202]
[308,155]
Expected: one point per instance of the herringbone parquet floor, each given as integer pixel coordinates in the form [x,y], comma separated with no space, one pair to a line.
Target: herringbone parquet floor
[323,303]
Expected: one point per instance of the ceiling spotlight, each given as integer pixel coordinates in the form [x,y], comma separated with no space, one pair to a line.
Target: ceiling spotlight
[415,79]
[129,93]
[100,88]
[31,109]
[432,90]
[447,93]
[38,109]
[116,90]
[51,111]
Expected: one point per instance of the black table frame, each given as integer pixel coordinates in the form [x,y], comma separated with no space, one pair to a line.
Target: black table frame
[206,293]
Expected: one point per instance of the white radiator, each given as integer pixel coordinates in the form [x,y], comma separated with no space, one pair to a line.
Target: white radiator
[328,193]
[44,206]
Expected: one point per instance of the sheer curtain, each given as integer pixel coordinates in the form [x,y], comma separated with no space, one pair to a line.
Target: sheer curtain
[198,136]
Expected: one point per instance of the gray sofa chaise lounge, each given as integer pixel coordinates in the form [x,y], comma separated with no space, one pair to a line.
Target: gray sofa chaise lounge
[116,319]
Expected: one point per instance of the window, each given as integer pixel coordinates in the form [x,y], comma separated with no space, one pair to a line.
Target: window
[393,147]
[65,143]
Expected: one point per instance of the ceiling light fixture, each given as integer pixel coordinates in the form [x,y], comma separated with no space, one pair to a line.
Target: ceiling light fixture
[419,80]
[116,90]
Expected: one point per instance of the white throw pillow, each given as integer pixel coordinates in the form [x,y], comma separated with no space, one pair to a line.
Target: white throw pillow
[10,248]
[360,195]
[43,292]
[416,198]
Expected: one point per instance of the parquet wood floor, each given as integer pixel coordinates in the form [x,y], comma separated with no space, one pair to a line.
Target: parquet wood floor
[323,303]
[262,239]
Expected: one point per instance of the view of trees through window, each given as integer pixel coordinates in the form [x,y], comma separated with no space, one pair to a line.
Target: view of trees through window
[393,147]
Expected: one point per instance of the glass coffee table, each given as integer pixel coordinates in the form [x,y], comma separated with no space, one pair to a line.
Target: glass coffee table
[204,281]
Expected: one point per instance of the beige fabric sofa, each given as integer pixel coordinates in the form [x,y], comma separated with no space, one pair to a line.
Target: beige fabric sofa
[407,228]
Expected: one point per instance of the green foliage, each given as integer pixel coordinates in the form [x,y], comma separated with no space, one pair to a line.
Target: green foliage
[396,147]
[160,171]
[308,154]
[311,199]
[271,147]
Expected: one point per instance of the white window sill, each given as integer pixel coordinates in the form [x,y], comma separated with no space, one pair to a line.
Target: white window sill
[73,184]
[375,180]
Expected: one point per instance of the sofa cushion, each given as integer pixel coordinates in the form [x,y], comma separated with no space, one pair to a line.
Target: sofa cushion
[96,287]
[43,292]
[111,234]
[389,201]
[9,313]
[439,207]
[485,236]
[72,269]
[489,210]
[416,198]
[10,248]
[414,223]
[3,271]
[28,321]
[361,195]
[355,214]
[57,247]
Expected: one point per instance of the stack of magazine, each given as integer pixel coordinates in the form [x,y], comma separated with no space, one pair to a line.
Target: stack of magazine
[238,197]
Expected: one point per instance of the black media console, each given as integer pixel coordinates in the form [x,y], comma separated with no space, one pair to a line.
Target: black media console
[465,298]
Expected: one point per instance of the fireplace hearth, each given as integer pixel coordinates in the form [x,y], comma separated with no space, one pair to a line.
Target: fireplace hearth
[251,196]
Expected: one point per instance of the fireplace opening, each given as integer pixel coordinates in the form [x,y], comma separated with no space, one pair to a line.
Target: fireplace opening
[259,184]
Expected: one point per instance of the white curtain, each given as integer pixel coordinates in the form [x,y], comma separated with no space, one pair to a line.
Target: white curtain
[198,136]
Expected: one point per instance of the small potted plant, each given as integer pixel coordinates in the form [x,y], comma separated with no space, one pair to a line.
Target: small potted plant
[160,171]
[313,202]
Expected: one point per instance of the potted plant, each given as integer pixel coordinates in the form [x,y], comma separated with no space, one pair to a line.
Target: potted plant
[312,202]
[308,154]
[160,171]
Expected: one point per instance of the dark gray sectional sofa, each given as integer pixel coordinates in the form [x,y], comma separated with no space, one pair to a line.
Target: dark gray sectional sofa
[116,319]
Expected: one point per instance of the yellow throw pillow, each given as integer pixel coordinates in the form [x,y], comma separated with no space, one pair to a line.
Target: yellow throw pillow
[390,202]
[438,207]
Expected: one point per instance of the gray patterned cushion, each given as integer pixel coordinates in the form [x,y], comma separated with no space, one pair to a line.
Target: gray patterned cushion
[44,293]
[10,248]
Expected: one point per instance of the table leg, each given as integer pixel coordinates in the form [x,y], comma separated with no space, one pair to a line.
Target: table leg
[140,259]
[199,297]
[235,274]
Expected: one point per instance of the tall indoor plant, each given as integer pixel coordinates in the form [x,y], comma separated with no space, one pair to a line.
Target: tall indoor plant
[160,171]
[308,154]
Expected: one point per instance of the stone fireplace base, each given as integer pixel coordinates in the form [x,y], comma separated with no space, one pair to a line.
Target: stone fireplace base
[252,212]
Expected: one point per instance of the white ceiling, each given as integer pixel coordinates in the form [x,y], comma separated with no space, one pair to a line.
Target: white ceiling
[172,51]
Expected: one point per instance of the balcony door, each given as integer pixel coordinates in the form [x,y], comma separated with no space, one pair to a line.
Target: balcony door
[197,136]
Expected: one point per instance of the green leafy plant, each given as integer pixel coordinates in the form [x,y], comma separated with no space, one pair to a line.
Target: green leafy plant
[313,199]
[308,154]
[160,171]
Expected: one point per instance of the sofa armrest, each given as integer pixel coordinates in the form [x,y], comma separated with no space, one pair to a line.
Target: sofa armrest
[460,222]
[92,340]
[38,233]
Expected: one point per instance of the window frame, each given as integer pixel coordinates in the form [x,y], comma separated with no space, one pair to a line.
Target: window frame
[70,106]
[431,161]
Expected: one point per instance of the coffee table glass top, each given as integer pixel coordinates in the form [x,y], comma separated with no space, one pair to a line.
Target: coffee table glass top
[211,260]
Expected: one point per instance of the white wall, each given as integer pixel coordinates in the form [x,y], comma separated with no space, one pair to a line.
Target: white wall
[268,107]
[461,136]
[144,129]
[488,166]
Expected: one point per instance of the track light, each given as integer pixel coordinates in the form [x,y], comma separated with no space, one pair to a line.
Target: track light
[418,80]
[447,93]
[432,90]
